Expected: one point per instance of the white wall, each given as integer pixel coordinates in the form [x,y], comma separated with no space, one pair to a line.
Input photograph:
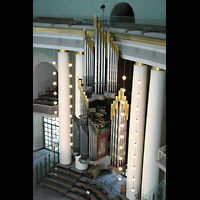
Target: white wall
[42,74]
[38,136]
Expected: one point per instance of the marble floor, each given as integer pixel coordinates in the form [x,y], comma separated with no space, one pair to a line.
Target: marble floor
[45,194]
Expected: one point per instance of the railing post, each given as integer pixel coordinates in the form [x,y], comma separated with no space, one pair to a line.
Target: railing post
[58,153]
[49,162]
[41,170]
[54,155]
[45,163]
[37,175]
[153,196]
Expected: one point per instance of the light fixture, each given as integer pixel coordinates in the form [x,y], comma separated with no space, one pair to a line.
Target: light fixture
[136,132]
[123,90]
[133,179]
[123,102]
[70,64]
[119,178]
[54,62]
[71,125]
[88,192]
[138,95]
[70,134]
[56,148]
[54,73]
[70,75]
[70,96]
[55,93]
[120,168]
[121,147]
[70,86]
[70,106]
[71,144]
[120,157]
[124,77]
[55,102]
[136,121]
[132,190]
[139,82]
[122,113]
[122,125]
[137,108]
[134,168]
[70,116]
[135,145]
[54,83]
[55,112]
[121,136]
[134,156]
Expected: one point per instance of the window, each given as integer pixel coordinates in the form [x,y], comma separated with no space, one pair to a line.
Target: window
[51,132]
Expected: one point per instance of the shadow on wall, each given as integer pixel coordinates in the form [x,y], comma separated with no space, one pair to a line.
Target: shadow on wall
[122,12]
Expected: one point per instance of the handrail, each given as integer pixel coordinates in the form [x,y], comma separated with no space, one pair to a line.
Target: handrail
[43,164]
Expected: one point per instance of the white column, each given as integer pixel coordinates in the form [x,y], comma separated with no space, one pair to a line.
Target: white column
[79,73]
[154,127]
[64,109]
[139,86]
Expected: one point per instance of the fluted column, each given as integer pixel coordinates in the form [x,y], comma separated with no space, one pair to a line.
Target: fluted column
[154,127]
[64,109]
[79,74]
[136,130]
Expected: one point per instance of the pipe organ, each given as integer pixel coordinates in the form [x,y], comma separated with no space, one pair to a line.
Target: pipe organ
[119,117]
[93,127]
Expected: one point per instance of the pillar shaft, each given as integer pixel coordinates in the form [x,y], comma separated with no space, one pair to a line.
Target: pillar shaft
[139,74]
[79,73]
[64,109]
[154,127]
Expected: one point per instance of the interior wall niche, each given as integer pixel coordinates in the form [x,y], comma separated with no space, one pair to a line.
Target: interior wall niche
[122,12]
[43,77]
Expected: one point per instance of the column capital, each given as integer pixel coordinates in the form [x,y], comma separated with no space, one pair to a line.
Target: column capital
[157,69]
[80,53]
[62,50]
[138,63]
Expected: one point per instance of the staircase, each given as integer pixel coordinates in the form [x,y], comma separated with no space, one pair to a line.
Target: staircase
[72,183]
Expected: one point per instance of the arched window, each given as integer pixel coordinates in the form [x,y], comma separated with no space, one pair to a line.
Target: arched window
[122,12]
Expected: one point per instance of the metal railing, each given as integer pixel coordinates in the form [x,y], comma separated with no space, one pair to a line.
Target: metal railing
[161,159]
[45,109]
[43,166]
[118,21]
[157,193]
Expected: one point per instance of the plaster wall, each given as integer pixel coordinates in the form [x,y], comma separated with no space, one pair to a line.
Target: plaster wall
[151,9]
[42,77]
[38,136]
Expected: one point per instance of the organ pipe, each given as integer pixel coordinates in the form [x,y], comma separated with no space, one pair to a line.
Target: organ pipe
[119,117]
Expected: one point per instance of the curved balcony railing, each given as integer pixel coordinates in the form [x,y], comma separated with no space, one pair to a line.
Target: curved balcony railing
[161,159]
[127,22]
[46,109]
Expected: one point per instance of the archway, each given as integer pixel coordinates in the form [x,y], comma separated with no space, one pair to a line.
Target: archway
[43,77]
[122,12]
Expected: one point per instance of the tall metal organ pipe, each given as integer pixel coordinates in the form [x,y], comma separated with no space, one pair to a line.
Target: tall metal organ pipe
[119,117]
[95,45]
